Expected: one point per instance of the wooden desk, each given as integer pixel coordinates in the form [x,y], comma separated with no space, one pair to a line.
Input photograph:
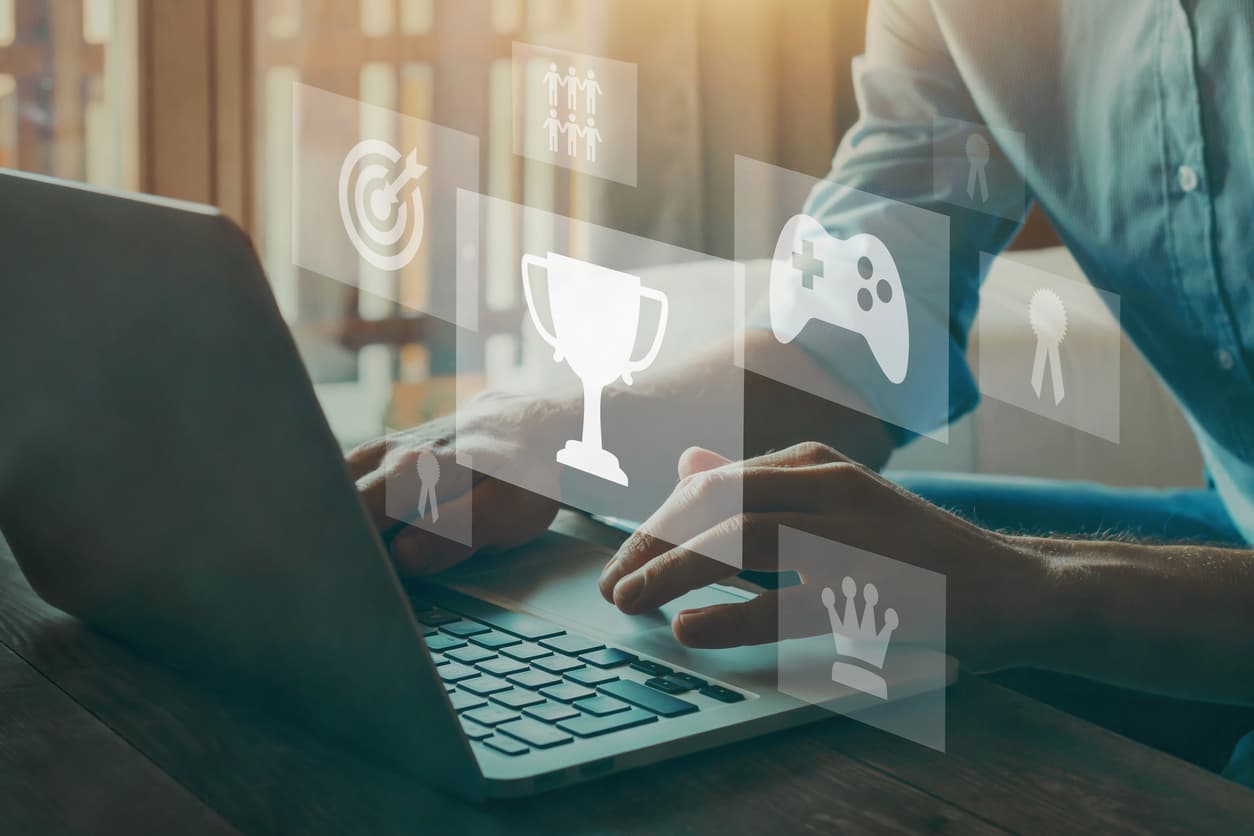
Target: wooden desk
[96,740]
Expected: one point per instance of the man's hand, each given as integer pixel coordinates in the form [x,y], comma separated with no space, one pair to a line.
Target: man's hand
[492,432]
[993,585]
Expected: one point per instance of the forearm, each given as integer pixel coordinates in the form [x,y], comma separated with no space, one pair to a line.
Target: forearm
[1178,620]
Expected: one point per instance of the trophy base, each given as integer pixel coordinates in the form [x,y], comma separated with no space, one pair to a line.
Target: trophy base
[594,460]
[862,679]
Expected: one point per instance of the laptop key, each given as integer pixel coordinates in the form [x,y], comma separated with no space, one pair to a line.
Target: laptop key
[534,679]
[469,655]
[567,692]
[506,745]
[526,652]
[429,631]
[517,698]
[600,705]
[465,629]
[571,645]
[456,672]
[494,640]
[434,616]
[668,685]
[483,685]
[440,643]
[557,664]
[590,677]
[501,666]
[514,623]
[464,700]
[722,694]
[651,668]
[491,715]
[536,734]
[586,725]
[475,731]
[639,695]
[550,712]
[610,657]
[688,679]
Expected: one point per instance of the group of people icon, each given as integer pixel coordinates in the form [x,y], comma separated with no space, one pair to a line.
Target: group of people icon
[588,85]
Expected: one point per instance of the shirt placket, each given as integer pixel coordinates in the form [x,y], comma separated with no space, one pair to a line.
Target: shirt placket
[1190,209]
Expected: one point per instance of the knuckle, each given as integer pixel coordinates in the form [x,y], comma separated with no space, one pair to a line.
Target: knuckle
[700,487]
[850,471]
[815,451]
[367,451]
[640,542]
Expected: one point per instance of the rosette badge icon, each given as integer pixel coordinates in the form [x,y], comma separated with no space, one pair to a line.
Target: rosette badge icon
[1048,318]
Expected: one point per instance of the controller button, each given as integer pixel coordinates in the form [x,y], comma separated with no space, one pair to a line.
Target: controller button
[885,291]
[865,301]
[865,268]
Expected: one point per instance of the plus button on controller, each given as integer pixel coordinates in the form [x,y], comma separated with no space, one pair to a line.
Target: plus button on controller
[851,284]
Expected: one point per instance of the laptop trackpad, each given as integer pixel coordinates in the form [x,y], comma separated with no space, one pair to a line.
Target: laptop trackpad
[556,579]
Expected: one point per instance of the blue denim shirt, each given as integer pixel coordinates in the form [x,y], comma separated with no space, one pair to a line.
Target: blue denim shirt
[1138,117]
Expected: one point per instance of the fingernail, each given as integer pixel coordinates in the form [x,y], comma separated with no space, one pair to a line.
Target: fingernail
[686,626]
[606,569]
[629,591]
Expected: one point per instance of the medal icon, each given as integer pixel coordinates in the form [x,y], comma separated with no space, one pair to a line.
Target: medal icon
[1048,318]
[428,476]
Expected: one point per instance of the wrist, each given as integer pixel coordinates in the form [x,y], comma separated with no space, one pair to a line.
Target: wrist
[1050,615]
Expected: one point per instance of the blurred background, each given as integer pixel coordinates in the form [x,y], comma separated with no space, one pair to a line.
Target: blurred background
[191,99]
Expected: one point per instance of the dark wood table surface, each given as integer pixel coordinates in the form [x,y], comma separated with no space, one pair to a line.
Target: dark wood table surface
[94,739]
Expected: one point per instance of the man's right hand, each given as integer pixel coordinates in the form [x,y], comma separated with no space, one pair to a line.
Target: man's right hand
[492,431]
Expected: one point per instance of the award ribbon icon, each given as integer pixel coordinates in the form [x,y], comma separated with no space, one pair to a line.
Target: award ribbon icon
[1048,319]
[428,475]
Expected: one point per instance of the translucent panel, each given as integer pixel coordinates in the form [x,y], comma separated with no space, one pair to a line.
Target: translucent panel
[576,111]
[604,314]
[1050,345]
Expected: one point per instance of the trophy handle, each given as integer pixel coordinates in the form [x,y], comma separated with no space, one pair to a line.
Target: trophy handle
[529,260]
[640,365]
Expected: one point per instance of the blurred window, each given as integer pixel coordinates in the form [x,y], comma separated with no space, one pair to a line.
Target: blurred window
[68,89]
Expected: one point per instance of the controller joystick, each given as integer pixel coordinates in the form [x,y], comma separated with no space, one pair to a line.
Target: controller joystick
[849,283]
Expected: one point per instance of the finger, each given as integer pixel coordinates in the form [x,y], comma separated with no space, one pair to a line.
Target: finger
[364,458]
[685,568]
[682,569]
[706,497]
[756,621]
[704,505]
[698,460]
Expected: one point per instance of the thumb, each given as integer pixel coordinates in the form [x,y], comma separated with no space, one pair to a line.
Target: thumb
[698,460]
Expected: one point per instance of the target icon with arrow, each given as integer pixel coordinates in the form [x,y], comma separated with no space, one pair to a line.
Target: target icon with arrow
[384,223]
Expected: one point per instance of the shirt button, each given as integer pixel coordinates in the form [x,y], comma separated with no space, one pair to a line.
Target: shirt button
[1225,359]
[1187,177]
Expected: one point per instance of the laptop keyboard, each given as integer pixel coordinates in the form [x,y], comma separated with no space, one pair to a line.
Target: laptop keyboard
[521,684]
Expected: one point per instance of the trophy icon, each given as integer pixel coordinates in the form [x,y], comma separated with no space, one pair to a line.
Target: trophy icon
[596,316]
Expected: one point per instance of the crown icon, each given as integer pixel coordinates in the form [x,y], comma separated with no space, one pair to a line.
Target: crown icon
[858,639]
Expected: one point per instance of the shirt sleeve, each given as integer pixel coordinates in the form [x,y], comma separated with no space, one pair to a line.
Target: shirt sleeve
[908,88]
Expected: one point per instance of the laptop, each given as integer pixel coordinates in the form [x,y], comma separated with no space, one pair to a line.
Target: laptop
[167,476]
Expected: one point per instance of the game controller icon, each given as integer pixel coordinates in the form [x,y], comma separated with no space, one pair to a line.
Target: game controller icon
[852,284]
